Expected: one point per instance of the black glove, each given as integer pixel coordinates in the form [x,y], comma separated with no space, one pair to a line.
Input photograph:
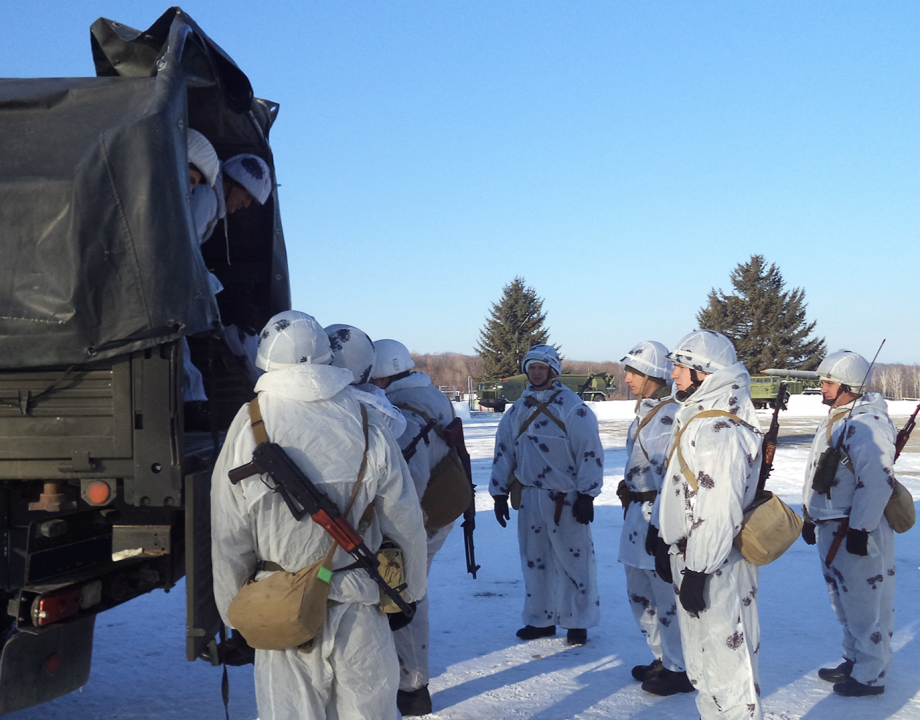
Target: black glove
[502,514]
[857,542]
[663,560]
[691,591]
[623,494]
[583,509]
[808,533]
[651,540]
[399,620]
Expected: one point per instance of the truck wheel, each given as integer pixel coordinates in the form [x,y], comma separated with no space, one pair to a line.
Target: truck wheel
[500,407]
[598,397]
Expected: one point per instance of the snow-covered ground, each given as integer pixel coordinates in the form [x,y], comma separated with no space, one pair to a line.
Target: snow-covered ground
[481,671]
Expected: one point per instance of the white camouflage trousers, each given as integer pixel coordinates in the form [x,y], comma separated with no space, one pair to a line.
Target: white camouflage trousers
[352,674]
[560,570]
[413,641]
[721,643]
[654,607]
[862,596]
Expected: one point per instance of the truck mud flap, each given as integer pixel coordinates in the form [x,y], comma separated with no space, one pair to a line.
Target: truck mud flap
[41,665]
[202,618]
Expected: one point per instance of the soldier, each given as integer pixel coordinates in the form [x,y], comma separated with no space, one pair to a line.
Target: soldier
[650,596]
[420,402]
[548,452]
[711,477]
[351,672]
[845,517]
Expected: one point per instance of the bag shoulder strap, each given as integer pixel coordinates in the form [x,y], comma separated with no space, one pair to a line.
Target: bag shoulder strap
[647,419]
[439,431]
[256,422]
[542,409]
[684,468]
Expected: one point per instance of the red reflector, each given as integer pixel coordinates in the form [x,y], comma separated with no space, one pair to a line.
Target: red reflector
[53,663]
[56,606]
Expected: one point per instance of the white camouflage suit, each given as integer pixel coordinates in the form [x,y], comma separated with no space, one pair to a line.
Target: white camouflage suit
[416,391]
[558,562]
[652,599]
[352,673]
[861,588]
[721,643]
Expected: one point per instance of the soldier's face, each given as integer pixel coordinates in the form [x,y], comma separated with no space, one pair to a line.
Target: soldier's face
[237,199]
[681,377]
[538,374]
[830,392]
[634,382]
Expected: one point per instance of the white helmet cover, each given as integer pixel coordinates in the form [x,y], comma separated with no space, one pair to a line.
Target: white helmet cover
[649,358]
[393,358]
[704,351]
[252,173]
[291,338]
[203,156]
[545,354]
[847,368]
[352,349]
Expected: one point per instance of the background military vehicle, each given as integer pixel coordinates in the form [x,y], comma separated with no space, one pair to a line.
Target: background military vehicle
[104,495]
[497,394]
[765,385]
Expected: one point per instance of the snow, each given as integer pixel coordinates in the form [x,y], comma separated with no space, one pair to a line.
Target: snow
[480,670]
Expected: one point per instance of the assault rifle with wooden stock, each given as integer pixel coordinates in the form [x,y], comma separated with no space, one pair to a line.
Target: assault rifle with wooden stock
[770,441]
[454,432]
[904,433]
[303,498]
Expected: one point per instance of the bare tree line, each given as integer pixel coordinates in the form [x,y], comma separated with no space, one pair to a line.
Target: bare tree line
[893,381]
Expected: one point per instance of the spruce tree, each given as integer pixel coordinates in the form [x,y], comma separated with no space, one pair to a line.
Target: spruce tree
[515,325]
[765,322]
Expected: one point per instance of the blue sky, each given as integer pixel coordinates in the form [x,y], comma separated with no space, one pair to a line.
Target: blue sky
[623,157]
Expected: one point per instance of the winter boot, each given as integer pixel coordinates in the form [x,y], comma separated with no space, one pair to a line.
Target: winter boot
[577,636]
[854,688]
[647,672]
[838,674]
[529,632]
[413,702]
[668,682]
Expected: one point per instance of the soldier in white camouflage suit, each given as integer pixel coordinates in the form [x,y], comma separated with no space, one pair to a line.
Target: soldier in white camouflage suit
[701,509]
[651,597]
[549,441]
[860,576]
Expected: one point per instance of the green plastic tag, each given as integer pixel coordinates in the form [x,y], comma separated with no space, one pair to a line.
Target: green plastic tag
[324,574]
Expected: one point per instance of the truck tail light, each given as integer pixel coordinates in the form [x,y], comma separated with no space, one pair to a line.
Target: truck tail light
[65,603]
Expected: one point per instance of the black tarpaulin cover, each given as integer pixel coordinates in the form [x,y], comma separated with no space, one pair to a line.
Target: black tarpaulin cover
[99,254]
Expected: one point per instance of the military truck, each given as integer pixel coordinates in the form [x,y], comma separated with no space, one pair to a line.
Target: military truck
[104,495]
[498,394]
[765,385]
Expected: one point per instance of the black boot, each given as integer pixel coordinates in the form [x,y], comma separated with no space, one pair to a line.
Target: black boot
[854,688]
[413,702]
[668,682]
[647,672]
[838,674]
[529,632]
[577,636]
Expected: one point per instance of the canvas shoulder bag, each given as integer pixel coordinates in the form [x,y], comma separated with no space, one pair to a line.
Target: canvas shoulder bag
[769,526]
[448,492]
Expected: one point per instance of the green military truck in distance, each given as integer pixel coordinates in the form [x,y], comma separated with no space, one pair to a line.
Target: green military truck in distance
[104,494]
[498,394]
[765,385]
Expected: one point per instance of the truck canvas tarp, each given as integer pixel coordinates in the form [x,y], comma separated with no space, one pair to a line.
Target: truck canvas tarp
[106,307]
[92,197]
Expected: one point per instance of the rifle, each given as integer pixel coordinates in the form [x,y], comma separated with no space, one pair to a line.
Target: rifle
[904,433]
[303,498]
[771,439]
[409,450]
[454,433]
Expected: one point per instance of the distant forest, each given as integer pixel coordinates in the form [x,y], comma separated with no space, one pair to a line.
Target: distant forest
[451,370]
